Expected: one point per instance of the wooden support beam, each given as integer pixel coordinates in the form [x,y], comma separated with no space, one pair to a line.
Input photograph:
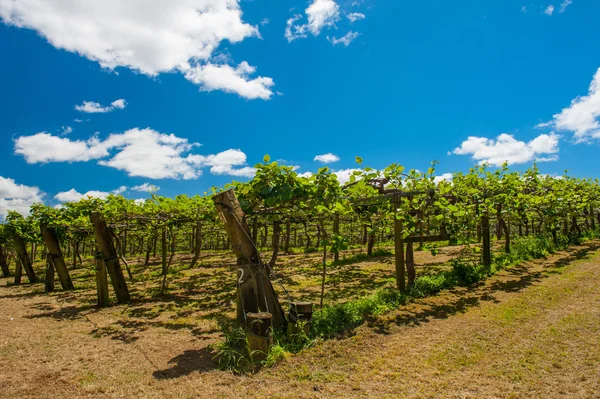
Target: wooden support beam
[110,258]
[487,249]
[24,259]
[440,237]
[49,278]
[58,261]
[255,292]
[399,248]
[3,263]
[101,282]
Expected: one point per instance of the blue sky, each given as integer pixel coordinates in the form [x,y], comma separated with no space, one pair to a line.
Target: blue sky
[202,89]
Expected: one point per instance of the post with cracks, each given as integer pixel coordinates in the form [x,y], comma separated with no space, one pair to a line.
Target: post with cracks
[24,259]
[255,292]
[56,256]
[109,257]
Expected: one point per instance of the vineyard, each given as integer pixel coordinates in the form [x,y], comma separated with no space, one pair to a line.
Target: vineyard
[283,261]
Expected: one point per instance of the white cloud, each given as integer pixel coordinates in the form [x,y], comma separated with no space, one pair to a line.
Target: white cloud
[327,158]
[355,16]
[320,14]
[77,120]
[231,80]
[139,152]
[146,187]
[442,177]
[305,174]
[73,195]
[224,163]
[147,36]
[120,190]
[523,9]
[506,149]
[343,175]
[44,147]
[265,21]
[564,5]
[582,116]
[549,10]
[345,40]
[293,32]
[17,197]
[66,130]
[92,107]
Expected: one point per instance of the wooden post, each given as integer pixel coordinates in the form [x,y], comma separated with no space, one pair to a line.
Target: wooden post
[109,255]
[24,258]
[410,263]
[163,251]
[18,270]
[487,250]
[288,233]
[255,291]
[49,278]
[3,264]
[398,247]
[299,318]
[336,231]
[101,282]
[259,333]
[58,261]
[198,243]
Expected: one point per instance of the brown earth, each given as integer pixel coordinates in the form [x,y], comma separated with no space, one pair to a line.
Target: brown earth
[531,331]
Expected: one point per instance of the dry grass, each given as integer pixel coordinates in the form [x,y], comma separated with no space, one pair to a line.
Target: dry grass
[532,331]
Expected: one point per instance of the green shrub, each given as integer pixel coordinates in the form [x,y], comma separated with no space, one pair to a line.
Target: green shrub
[429,285]
[233,353]
[465,273]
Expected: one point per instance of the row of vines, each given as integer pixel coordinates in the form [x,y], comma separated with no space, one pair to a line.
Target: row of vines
[287,213]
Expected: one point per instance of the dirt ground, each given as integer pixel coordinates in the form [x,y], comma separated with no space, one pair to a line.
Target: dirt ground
[531,331]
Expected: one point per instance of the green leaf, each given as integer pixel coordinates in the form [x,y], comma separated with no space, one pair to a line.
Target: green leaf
[266,158]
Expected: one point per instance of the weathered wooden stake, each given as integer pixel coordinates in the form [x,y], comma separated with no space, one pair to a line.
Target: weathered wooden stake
[259,330]
[18,270]
[109,255]
[255,291]
[487,250]
[398,247]
[49,278]
[198,243]
[299,318]
[24,258]
[58,261]
[101,282]
[336,231]
[3,264]
[410,263]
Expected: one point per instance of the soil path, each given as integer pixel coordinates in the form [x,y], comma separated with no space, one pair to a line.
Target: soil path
[531,331]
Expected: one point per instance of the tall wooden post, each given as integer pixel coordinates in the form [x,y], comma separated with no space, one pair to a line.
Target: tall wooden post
[398,246]
[18,270]
[410,263]
[198,243]
[255,291]
[3,264]
[336,231]
[101,282]
[24,258]
[49,278]
[487,250]
[109,255]
[58,261]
